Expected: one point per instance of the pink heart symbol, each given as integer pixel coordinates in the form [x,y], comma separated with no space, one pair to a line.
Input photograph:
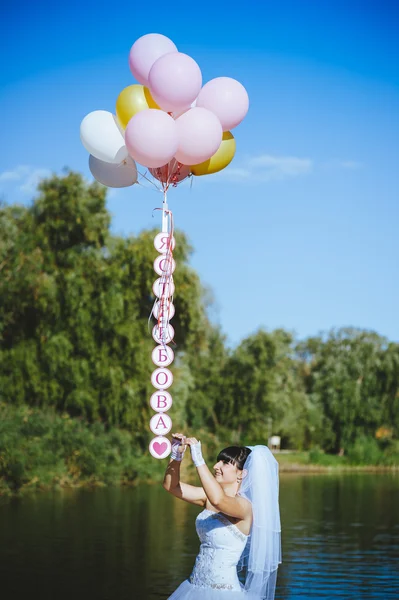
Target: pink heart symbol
[160,448]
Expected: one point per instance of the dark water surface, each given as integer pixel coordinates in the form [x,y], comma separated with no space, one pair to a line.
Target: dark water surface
[340,540]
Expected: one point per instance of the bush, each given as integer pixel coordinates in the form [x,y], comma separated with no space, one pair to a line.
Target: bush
[365,451]
[42,449]
[319,457]
[391,454]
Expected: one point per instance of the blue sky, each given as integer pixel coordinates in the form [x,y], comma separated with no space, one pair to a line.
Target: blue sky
[301,231]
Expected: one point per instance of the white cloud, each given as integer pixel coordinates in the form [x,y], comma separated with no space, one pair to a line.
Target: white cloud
[32,180]
[26,177]
[16,174]
[351,165]
[281,167]
[236,173]
[265,168]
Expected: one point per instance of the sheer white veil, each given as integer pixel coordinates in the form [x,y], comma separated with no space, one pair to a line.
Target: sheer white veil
[262,554]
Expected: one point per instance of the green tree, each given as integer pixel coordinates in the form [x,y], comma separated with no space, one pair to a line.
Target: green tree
[207,366]
[262,386]
[353,375]
[75,307]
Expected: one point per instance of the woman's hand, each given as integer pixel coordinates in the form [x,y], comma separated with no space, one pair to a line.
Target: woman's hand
[191,441]
[178,446]
[196,453]
[181,438]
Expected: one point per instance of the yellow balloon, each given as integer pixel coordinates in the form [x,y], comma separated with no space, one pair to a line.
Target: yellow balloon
[220,159]
[132,100]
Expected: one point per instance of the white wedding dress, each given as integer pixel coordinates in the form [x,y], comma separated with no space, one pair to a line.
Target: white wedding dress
[214,576]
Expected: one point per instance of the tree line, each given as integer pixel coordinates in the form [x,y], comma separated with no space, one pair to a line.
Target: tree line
[74,337]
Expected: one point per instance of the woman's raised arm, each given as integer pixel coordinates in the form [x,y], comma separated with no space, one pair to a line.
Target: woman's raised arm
[172,484]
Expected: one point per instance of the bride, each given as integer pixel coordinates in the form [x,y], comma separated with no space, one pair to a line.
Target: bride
[239,527]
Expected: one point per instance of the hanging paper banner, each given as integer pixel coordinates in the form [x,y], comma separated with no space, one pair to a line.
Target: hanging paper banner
[161,424]
[163,288]
[163,334]
[162,379]
[164,265]
[162,356]
[161,401]
[163,309]
[160,447]
[163,243]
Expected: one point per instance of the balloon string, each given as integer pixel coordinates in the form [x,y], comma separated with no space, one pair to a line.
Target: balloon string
[166,280]
[167,175]
[148,188]
[167,276]
[170,174]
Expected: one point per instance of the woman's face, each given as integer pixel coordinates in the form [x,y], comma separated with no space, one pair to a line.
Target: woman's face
[226,472]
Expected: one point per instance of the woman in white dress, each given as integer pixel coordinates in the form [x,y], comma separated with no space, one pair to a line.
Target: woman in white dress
[239,527]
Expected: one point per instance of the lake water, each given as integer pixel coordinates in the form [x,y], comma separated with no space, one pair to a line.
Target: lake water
[340,540]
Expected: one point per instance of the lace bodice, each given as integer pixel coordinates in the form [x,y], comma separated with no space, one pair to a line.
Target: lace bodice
[222,544]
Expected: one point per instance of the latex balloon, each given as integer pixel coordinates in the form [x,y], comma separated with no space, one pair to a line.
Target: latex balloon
[178,113]
[112,175]
[227,98]
[151,138]
[175,81]
[132,100]
[145,51]
[200,135]
[101,136]
[220,159]
[172,173]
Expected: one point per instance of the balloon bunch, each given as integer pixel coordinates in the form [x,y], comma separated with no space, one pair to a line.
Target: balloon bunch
[168,122]
[175,128]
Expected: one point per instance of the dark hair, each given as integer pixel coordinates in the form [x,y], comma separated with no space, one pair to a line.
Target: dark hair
[234,454]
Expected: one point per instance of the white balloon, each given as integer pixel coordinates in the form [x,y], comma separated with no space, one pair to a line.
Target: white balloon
[113,175]
[101,136]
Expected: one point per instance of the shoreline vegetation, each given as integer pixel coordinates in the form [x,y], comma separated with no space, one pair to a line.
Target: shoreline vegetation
[41,450]
[75,361]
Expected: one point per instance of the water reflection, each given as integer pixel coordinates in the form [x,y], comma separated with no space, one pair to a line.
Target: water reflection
[340,540]
[331,536]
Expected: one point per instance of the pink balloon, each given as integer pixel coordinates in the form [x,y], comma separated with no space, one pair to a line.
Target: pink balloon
[172,173]
[178,113]
[200,135]
[151,137]
[175,80]
[145,51]
[227,98]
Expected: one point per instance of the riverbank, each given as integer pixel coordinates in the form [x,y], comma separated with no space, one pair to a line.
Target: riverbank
[44,450]
[301,462]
